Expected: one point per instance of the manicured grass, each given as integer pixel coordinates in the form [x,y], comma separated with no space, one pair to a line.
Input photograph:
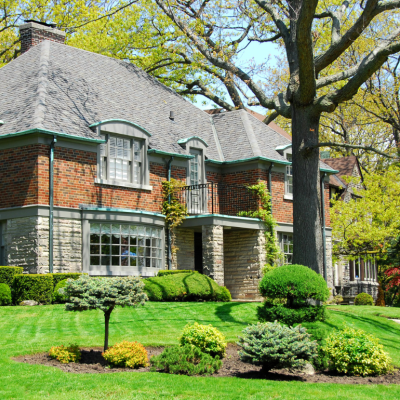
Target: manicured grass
[35,329]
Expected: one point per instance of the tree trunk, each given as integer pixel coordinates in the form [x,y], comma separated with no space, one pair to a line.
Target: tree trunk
[107,316]
[307,224]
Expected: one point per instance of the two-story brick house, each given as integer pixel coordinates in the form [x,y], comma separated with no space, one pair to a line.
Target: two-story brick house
[85,142]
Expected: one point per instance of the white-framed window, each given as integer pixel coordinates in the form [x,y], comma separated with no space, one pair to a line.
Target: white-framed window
[363,269]
[289,177]
[286,245]
[125,245]
[3,255]
[121,160]
[195,167]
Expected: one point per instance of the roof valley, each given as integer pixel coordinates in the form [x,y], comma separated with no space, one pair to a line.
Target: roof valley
[250,133]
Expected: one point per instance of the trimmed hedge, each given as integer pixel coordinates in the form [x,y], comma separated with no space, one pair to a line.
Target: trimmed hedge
[38,287]
[364,299]
[5,295]
[58,277]
[164,272]
[7,274]
[185,287]
[57,296]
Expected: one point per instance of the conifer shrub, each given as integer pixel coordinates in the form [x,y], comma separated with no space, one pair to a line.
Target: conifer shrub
[185,287]
[380,301]
[364,299]
[164,272]
[7,274]
[205,337]
[5,295]
[355,352]
[185,360]
[59,296]
[126,354]
[38,287]
[66,354]
[296,285]
[275,346]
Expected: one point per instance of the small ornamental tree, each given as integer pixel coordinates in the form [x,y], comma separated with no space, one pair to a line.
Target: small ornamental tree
[104,294]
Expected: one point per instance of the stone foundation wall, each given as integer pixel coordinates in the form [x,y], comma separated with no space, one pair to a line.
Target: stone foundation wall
[244,251]
[28,244]
[352,289]
[329,266]
[213,252]
[184,257]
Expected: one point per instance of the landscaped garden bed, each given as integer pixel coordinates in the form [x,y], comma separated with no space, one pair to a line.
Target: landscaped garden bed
[93,362]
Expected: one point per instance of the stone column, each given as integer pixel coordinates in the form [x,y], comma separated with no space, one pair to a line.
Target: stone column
[213,252]
[329,266]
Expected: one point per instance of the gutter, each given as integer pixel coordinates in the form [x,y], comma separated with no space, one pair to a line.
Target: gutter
[260,158]
[166,153]
[323,228]
[270,183]
[169,249]
[51,202]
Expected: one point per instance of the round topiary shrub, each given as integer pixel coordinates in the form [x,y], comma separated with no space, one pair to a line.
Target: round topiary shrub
[364,299]
[186,360]
[66,354]
[205,337]
[355,352]
[5,295]
[126,354]
[296,283]
[60,297]
[275,346]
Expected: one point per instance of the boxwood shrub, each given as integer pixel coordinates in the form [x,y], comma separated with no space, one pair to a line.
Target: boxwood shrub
[7,274]
[38,287]
[58,277]
[185,287]
[57,296]
[163,272]
[364,299]
[5,295]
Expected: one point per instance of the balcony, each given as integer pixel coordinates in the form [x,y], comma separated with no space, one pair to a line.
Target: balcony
[217,198]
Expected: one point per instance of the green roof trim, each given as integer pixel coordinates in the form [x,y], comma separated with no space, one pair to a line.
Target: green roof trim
[224,216]
[258,158]
[183,141]
[126,210]
[331,171]
[283,147]
[166,153]
[48,132]
[106,121]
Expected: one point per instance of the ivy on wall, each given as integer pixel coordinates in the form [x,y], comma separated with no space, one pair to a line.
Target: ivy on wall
[264,212]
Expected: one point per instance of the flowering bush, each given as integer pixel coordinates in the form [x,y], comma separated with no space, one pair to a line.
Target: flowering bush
[355,352]
[207,338]
[364,299]
[273,345]
[126,354]
[65,354]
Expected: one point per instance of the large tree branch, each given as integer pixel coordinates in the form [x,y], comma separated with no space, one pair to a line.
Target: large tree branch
[328,80]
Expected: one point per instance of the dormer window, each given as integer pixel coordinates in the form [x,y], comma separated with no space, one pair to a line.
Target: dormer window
[122,159]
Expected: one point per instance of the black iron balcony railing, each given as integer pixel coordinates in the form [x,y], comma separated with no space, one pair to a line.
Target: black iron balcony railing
[217,198]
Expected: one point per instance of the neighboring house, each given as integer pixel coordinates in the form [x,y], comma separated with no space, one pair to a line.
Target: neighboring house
[85,143]
[359,275]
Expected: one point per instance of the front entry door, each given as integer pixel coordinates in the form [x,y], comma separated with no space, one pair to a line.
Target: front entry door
[198,252]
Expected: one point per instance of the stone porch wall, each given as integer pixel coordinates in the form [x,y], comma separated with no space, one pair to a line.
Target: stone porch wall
[244,251]
[184,257]
[213,252]
[28,244]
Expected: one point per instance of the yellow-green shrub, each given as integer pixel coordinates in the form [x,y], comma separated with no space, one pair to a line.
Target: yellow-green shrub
[355,352]
[126,354]
[205,337]
[65,354]
[364,299]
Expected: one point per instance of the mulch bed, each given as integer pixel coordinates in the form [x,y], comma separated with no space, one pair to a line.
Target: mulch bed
[93,362]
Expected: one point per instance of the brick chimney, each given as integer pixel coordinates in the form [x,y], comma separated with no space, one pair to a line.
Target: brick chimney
[34,32]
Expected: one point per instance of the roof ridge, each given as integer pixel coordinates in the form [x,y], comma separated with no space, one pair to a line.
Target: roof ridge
[40,103]
[255,147]
[216,138]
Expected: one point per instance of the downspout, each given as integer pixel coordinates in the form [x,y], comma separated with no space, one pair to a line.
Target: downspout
[169,250]
[51,202]
[270,182]
[323,226]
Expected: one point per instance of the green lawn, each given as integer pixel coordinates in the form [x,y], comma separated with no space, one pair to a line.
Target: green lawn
[35,329]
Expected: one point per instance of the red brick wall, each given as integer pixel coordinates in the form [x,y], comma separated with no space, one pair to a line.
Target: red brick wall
[19,175]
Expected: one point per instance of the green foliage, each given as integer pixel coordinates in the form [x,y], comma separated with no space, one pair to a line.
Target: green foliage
[186,360]
[264,212]
[185,287]
[174,210]
[291,316]
[338,299]
[126,354]
[355,352]
[297,283]
[364,299]
[164,272]
[205,337]
[38,287]
[273,345]
[5,295]
[58,277]
[57,296]
[7,274]
[65,354]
